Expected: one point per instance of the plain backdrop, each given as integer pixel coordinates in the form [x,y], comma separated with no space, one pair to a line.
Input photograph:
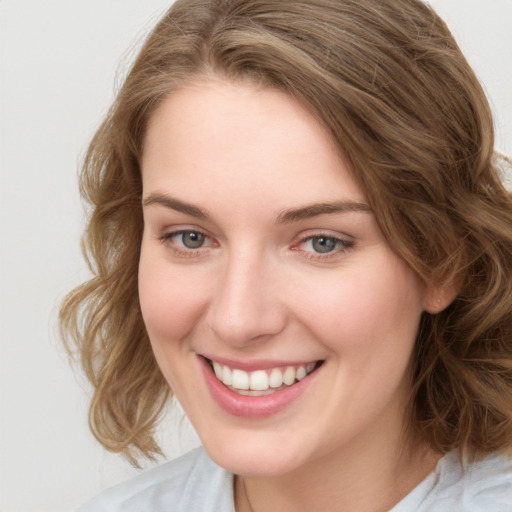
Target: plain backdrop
[59,63]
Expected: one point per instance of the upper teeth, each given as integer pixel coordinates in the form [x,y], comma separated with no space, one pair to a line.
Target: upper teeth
[261,380]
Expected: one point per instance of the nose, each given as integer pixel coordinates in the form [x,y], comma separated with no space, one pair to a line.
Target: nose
[246,306]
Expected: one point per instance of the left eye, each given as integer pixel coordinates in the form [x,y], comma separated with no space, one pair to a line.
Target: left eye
[324,244]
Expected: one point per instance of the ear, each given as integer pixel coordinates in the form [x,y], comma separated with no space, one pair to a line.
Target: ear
[440,296]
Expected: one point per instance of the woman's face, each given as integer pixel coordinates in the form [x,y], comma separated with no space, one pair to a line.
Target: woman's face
[261,257]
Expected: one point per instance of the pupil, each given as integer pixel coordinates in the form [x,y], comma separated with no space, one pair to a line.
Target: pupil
[192,240]
[323,244]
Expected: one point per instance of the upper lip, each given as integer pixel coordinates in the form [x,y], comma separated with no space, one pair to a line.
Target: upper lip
[256,364]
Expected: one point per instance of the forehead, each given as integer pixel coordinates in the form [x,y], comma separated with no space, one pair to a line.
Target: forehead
[246,140]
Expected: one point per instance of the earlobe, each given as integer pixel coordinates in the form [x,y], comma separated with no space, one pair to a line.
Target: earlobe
[439,297]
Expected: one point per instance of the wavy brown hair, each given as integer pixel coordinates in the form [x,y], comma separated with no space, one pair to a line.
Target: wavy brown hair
[391,85]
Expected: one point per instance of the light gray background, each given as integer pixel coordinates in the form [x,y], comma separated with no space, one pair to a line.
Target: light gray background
[58,65]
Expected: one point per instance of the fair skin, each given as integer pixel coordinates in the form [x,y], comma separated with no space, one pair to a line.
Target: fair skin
[239,269]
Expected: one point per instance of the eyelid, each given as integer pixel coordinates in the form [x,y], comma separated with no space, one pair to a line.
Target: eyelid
[328,233]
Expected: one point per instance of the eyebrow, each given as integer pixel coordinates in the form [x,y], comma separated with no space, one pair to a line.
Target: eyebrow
[285,217]
[314,210]
[177,205]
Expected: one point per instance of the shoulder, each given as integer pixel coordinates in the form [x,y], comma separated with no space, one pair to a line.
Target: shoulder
[481,486]
[191,482]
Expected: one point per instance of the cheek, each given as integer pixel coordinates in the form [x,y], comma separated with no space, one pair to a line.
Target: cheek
[171,300]
[365,309]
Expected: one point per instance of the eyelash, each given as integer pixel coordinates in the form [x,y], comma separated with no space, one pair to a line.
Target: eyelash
[341,245]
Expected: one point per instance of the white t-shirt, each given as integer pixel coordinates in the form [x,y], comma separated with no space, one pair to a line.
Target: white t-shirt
[194,483]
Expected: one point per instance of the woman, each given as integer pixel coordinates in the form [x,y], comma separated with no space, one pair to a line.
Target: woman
[299,228]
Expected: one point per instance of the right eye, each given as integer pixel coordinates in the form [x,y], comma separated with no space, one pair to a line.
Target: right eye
[186,242]
[189,239]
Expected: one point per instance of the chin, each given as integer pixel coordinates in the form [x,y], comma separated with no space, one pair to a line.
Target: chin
[255,455]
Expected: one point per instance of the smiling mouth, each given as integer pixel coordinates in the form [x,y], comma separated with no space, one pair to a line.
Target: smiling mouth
[261,382]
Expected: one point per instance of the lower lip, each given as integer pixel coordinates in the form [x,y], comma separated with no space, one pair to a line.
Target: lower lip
[252,406]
